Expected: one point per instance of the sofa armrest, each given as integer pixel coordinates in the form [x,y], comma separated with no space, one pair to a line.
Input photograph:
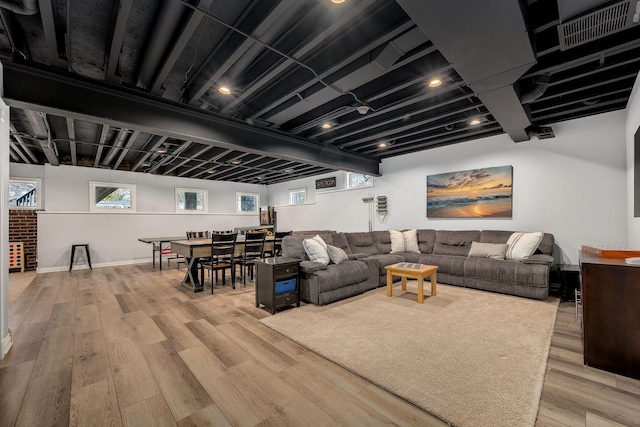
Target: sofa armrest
[358,256]
[311,266]
[539,259]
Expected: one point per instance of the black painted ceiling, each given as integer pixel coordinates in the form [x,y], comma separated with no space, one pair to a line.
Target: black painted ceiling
[291,66]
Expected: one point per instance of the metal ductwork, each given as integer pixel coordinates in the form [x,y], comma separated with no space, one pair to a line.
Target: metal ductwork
[117,145]
[583,21]
[540,84]
[162,34]
[28,7]
[489,45]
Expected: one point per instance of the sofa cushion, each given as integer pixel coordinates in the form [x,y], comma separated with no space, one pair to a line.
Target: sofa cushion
[404,241]
[362,243]
[454,242]
[338,275]
[523,245]
[488,250]
[316,250]
[447,264]
[426,240]
[292,247]
[506,271]
[382,240]
[386,259]
[337,255]
[339,240]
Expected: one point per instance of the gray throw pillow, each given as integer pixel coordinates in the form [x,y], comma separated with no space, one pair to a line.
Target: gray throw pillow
[336,254]
[488,250]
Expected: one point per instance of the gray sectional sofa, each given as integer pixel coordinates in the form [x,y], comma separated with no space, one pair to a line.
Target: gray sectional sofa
[370,252]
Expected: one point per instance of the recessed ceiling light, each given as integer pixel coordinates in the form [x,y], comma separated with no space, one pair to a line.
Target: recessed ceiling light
[145,165]
[259,178]
[161,150]
[382,144]
[210,171]
[235,162]
[475,122]
[288,170]
[326,125]
[337,1]
[435,83]
[224,90]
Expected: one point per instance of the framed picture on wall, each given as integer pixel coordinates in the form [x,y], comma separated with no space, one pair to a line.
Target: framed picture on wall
[477,193]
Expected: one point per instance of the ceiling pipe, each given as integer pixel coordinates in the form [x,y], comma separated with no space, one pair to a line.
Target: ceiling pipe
[122,135]
[162,34]
[28,7]
[540,85]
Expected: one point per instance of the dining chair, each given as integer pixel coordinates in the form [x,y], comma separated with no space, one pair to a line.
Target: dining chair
[222,258]
[277,243]
[253,249]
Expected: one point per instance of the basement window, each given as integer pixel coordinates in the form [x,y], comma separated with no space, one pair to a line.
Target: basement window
[24,193]
[191,201]
[358,180]
[247,203]
[298,196]
[111,197]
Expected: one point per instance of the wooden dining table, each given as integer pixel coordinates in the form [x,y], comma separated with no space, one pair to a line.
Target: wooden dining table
[158,245]
[194,249]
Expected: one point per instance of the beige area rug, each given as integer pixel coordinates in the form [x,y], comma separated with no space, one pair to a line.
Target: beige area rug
[471,358]
[18,282]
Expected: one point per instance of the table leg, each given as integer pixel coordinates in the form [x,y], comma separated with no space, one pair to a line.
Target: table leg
[191,276]
[433,284]
[160,256]
[389,284]
[153,254]
[404,283]
[420,289]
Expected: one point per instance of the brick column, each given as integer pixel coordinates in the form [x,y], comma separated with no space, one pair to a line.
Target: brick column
[23,227]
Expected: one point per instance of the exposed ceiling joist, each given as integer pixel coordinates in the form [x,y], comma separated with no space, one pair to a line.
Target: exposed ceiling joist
[122,11]
[57,94]
[101,142]
[40,126]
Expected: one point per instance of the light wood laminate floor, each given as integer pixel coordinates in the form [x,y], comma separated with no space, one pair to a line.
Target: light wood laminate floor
[129,346]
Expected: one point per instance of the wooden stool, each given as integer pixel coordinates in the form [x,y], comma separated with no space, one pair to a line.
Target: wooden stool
[73,253]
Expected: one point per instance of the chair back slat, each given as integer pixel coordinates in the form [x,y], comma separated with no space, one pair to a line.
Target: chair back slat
[254,244]
[197,235]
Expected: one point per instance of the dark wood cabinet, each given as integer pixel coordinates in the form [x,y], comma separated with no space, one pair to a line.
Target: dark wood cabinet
[277,283]
[611,314]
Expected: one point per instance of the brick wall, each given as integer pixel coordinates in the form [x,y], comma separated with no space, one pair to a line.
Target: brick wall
[23,227]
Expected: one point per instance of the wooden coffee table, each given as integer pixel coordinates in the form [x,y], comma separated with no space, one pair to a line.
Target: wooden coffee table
[401,270]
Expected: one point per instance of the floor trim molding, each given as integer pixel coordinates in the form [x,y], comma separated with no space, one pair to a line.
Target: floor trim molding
[7,343]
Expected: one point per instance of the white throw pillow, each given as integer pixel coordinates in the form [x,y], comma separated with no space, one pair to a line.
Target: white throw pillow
[337,255]
[523,245]
[404,241]
[315,250]
[318,239]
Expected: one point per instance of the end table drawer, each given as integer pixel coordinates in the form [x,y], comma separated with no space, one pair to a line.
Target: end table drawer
[285,270]
[283,300]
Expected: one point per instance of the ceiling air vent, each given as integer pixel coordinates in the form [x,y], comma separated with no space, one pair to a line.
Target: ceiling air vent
[542,132]
[595,25]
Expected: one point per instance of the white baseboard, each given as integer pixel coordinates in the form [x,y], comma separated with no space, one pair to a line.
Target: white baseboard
[7,342]
[98,265]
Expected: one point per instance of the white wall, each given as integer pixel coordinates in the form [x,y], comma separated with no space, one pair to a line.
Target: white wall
[5,336]
[571,186]
[633,123]
[113,237]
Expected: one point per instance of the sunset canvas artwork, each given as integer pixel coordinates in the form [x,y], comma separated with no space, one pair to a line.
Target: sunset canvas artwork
[473,193]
